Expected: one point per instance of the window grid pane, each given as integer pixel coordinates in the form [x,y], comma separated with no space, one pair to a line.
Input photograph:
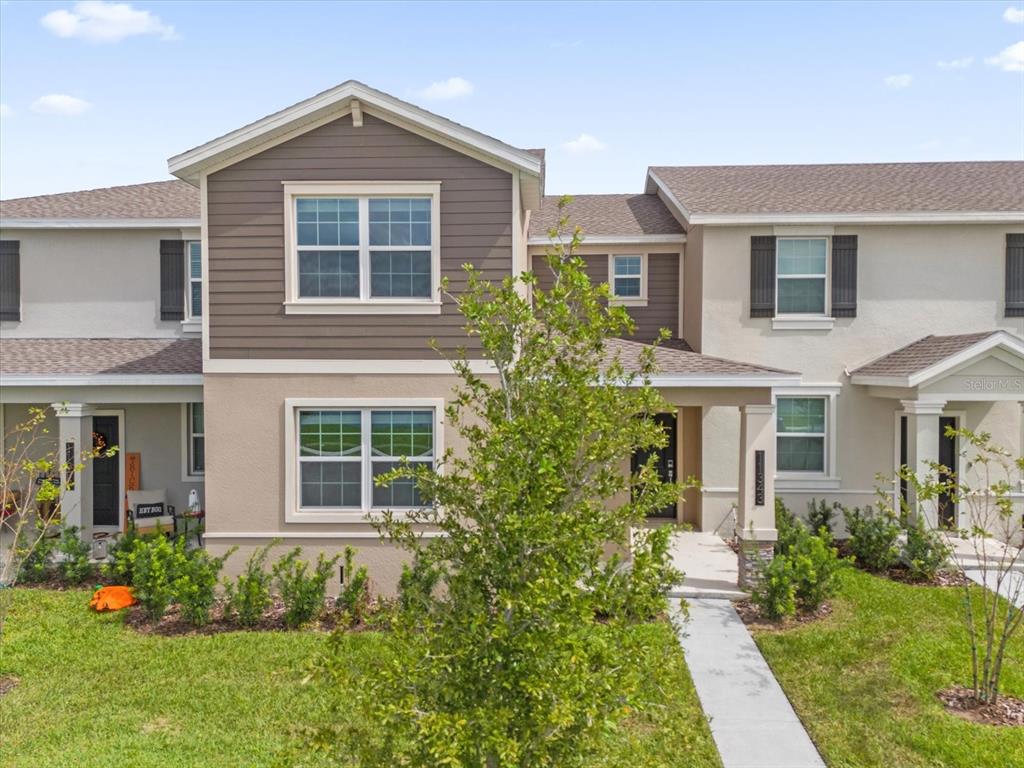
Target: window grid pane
[801,295]
[327,221]
[628,287]
[400,221]
[396,274]
[802,256]
[801,454]
[328,274]
[331,484]
[627,266]
[805,415]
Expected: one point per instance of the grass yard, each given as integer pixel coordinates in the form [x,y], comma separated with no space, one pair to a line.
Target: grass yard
[93,693]
[864,680]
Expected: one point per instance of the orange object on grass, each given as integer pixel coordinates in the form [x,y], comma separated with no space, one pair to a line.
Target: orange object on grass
[112,598]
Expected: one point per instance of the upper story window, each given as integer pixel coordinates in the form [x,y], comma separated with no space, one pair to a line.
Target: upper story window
[194,294]
[628,278]
[362,248]
[802,275]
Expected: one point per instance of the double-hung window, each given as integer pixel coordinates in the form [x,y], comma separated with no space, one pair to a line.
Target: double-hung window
[361,247]
[800,430]
[628,278]
[194,292]
[195,441]
[340,451]
[802,276]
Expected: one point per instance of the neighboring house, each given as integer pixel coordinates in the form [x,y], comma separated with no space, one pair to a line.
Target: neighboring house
[791,295]
[97,327]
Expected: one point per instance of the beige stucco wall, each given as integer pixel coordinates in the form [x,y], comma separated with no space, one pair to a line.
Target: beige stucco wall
[912,281]
[101,283]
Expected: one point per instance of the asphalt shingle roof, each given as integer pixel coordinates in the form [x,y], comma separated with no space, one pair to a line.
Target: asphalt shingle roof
[608,215]
[99,357]
[683,362]
[156,200]
[996,186]
[920,354]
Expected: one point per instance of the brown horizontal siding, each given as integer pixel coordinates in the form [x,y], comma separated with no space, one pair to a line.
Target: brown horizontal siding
[662,310]
[246,243]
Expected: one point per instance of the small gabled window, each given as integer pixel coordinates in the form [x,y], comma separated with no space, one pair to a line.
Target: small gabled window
[363,248]
[628,278]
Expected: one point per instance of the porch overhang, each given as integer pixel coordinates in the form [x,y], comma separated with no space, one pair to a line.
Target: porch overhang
[984,367]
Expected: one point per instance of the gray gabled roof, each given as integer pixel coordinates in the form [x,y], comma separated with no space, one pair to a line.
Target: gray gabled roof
[100,357]
[694,367]
[921,354]
[628,216]
[172,199]
[859,188]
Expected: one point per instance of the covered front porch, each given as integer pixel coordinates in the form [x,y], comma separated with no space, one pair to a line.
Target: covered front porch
[973,381]
[692,382]
[144,396]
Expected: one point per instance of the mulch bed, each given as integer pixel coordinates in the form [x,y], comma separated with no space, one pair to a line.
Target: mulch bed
[751,615]
[173,624]
[942,578]
[7,683]
[960,701]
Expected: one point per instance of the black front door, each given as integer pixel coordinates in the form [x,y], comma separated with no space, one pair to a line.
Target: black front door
[106,479]
[665,459]
[947,458]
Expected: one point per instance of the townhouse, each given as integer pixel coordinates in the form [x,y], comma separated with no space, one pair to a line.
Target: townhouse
[826,321]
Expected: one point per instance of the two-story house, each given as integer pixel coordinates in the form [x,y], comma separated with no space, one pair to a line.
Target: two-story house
[826,321]
[100,313]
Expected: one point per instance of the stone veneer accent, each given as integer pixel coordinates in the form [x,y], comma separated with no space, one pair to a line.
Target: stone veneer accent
[752,556]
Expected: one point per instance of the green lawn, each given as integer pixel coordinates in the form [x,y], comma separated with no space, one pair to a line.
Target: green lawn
[864,680]
[93,693]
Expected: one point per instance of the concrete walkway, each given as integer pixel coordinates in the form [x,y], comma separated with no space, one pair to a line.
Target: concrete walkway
[710,568]
[751,719]
[1012,587]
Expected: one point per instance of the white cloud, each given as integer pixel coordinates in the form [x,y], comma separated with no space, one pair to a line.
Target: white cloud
[898,82]
[1014,15]
[452,88]
[100,22]
[585,143]
[962,63]
[5,111]
[60,104]
[1009,59]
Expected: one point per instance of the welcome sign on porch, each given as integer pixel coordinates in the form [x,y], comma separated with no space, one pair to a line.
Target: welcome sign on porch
[148,511]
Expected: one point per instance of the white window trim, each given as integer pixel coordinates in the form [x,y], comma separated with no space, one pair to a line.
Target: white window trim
[192,323]
[628,301]
[826,480]
[802,321]
[293,511]
[364,305]
[187,475]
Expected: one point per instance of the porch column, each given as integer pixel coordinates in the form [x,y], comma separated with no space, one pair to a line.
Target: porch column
[75,420]
[922,448]
[755,515]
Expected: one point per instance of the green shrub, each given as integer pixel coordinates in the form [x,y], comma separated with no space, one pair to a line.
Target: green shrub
[120,565]
[820,514]
[775,591]
[36,564]
[75,566]
[816,565]
[787,525]
[354,598]
[873,538]
[302,592]
[195,585]
[924,553]
[416,585]
[248,596]
[635,590]
[157,564]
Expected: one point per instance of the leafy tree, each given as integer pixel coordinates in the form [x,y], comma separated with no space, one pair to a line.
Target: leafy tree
[33,472]
[991,547]
[511,661]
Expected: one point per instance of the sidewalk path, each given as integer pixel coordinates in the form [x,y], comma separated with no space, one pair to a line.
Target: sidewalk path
[751,719]
[1011,588]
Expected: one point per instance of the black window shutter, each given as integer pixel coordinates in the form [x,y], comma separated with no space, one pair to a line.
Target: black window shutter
[762,276]
[172,279]
[844,276]
[10,280]
[1015,274]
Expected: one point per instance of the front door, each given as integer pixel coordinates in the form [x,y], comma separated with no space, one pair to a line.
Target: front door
[947,458]
[665,459]
[106,479]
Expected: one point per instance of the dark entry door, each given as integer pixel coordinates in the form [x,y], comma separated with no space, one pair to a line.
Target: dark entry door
[947,458]
[665,459]
[106,478]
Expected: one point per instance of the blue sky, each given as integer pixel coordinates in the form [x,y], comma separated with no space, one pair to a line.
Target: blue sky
[96,94]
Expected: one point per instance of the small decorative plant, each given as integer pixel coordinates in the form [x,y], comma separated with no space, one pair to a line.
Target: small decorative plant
[248,597]
[75,565]
[157,564]
[354,599]
[302,592]
[195,584]
[873,538]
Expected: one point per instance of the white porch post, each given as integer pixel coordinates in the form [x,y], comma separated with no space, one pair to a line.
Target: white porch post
[755,516]
[923,447]
[75,421]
